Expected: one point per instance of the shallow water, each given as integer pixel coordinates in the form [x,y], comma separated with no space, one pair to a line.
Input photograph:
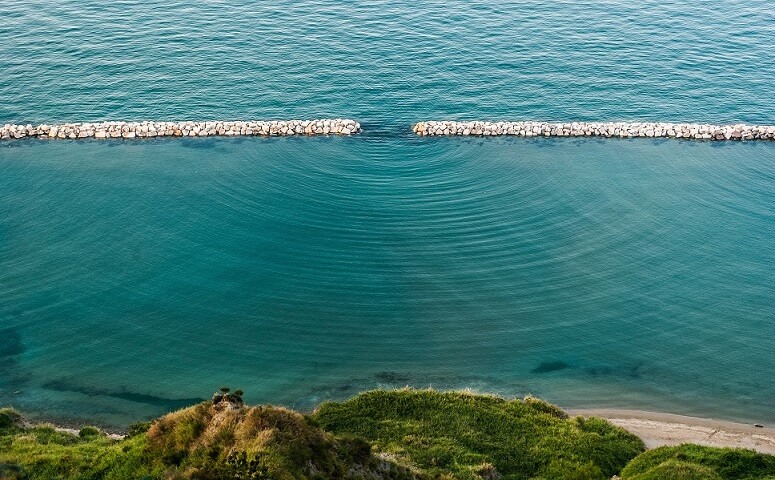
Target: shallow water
[136,277]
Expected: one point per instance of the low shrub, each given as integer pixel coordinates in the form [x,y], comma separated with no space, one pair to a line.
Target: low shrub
[10,420]
[87,432]
[687,462]
[138,428]
[677,470]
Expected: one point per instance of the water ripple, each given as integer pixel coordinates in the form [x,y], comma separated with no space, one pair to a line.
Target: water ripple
[387,63]
[304,269]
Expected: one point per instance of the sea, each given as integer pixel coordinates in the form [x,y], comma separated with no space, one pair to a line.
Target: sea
[138,277]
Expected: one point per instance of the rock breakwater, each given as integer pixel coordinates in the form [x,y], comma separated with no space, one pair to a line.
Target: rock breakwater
[149,129]
[693,131]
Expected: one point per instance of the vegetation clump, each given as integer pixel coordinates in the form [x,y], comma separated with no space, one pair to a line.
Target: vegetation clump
[227,399]
[87,432]
[138,428]
[467,436]
[10,420]
[213,441]
[687,462]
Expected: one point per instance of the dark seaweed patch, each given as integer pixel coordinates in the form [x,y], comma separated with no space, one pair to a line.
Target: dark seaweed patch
[170,403]
[550,366]
[62,385]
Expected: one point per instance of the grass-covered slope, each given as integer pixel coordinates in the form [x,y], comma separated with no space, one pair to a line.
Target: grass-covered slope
[461,435]
[689,462]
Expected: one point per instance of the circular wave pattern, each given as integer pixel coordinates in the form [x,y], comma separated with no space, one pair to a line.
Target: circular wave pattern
[136,276]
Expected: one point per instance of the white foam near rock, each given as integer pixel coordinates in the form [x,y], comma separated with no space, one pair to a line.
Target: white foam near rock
[693,131]
[148,129]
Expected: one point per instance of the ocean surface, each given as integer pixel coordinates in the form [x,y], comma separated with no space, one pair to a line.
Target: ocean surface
[139,276]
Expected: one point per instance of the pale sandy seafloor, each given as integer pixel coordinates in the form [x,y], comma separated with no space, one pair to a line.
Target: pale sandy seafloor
[657,429]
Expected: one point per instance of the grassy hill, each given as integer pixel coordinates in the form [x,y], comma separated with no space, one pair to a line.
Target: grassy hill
[461,435]
[401,434]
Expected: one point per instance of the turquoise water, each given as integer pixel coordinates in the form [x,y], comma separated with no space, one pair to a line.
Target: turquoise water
[136,277]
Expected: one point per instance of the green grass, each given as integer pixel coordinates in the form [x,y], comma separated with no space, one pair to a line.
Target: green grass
[468,436]
[687,462]
[401,434]
[43,453]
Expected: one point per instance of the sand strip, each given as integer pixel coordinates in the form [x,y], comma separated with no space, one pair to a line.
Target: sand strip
[657,429]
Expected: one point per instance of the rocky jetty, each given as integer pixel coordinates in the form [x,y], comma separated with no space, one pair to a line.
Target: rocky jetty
[149,129]
[598,129]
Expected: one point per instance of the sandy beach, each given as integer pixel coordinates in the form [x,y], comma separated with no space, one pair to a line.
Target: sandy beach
[657,429]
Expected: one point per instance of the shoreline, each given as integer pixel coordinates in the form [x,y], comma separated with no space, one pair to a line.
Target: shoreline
[72,427]
[654,428]
[659,428]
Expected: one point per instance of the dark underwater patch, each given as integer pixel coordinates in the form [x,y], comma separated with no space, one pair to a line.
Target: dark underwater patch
[550,366]
[63,385]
